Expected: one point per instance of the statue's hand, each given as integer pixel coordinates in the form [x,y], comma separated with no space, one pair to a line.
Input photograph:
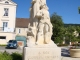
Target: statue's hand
[33,1]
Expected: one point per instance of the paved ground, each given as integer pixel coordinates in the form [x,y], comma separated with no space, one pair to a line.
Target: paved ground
[66,55]
[69,58]
[19,50]
[65,52]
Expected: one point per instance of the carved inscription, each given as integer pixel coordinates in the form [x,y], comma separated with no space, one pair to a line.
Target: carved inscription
[40,55]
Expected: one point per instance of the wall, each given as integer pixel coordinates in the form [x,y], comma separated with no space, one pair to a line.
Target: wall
[9,36]
[23,32]
[11,18]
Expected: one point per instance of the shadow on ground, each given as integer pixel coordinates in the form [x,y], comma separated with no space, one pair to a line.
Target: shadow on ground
[65,52]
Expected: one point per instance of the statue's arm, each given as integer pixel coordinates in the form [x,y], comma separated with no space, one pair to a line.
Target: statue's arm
[33,1]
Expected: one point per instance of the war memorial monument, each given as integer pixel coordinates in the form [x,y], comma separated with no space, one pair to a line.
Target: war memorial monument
[39,43]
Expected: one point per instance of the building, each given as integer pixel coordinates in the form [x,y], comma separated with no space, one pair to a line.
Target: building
[21,31]
[10,26]
[21,26]
[7,20]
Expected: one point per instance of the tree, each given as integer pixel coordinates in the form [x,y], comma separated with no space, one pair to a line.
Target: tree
[79,10]
[78,29]
[70,34]
[58,29]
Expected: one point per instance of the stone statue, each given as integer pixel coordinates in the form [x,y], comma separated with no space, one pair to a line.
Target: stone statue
[40,28]
[42,2]
[35,6]
[39,43]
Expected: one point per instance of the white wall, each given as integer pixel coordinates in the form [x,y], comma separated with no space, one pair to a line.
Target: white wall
[12,15]
[23,32]
[11,18]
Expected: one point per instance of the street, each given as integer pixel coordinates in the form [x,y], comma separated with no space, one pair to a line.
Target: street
[2,49]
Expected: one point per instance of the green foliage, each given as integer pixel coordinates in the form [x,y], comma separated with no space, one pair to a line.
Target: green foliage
[58,40]
[79,10]
[75,45]
[16,56]
[62,45]
[58,25]
[7,56]
[67,25]
[69,34]
[2,45]
[78,28]
[61,30]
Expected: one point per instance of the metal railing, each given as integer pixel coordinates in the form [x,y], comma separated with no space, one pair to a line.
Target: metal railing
[1,29]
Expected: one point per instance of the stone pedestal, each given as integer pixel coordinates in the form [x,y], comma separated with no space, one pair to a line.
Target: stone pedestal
[42,53]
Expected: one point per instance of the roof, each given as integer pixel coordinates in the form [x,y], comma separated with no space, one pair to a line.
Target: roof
[22,22]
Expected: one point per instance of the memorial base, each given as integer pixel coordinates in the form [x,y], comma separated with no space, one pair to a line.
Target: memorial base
[41,53]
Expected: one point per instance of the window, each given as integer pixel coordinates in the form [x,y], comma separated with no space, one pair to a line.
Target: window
[19,31]
[5,24]
[6,11]
[2,37]
[10,41]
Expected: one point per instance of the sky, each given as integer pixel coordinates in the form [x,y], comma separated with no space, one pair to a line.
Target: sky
[68,9]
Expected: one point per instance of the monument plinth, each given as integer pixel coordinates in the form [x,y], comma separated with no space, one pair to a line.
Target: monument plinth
[39,43]
[42,53]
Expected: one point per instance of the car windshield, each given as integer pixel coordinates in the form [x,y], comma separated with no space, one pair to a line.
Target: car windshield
[10,41]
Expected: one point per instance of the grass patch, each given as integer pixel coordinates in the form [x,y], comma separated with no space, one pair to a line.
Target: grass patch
[2,45]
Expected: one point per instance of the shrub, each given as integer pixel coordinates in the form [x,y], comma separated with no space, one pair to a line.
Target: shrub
[75,45]
[16,56]
[5,56]
[62,44]
[13,56]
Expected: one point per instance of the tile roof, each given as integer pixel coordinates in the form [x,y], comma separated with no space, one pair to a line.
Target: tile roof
[22,22]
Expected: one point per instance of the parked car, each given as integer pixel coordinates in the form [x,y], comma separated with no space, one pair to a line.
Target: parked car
[12,44]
